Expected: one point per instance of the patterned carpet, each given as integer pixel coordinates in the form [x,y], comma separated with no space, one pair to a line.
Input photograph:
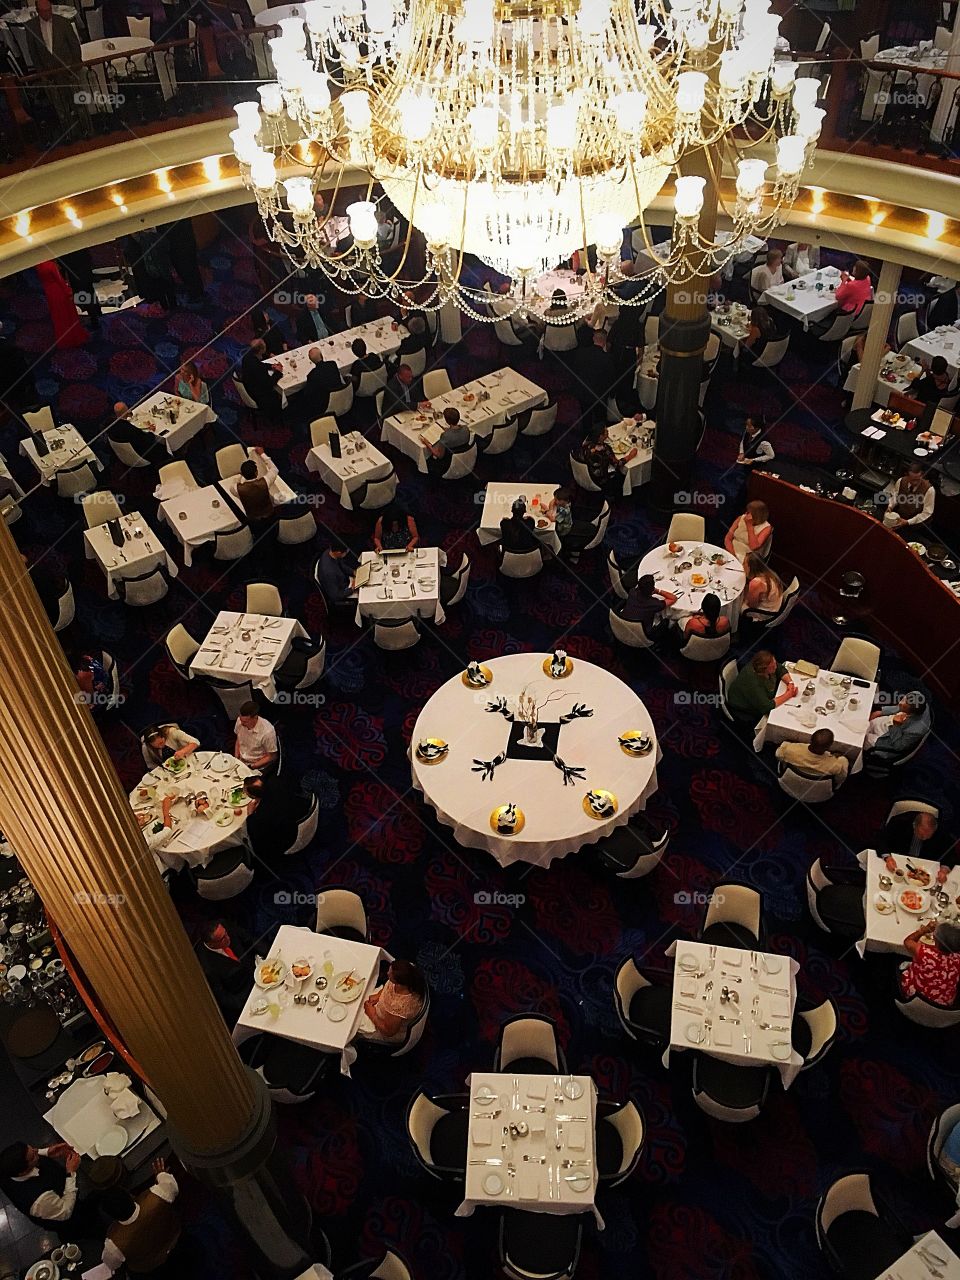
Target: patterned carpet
[708,1201]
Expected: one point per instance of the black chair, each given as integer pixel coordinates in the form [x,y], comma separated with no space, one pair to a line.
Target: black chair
[813,1032]
[303,665]
[226,875]
[634,850]
[621,1133]
[942,1126]
[437,1129]
[539,1246]
[727,1091]
[644,1008]
[527,1045]
[859,1236]
[453,583]
[835,900]
[292,1071]
[388,1267]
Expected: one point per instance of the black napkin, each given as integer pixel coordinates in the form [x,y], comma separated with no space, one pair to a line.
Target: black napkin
[41,444]
[579,711]
[571,773]
[334,438]
[499,705]
[488,767]
[116,532]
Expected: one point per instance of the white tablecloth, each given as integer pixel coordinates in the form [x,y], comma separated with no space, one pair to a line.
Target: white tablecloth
[246,646]
[189,418]
[912,1266]
[309,1024]
[646,380]
[124,47]
[944,341]
[196,840]
[555,820]
[497,505]
[402,585]
[72,450]
[560,1144]
[196,516]
[360,462]
[136,556]
[509,393]
[893,377]
[735,326]
[751,247]
[887,929]
[13,24]
[726,581]
[10,505]
[82,1114]
[383,338]
[766,992]
[626,435]
[786,723]
[801,298]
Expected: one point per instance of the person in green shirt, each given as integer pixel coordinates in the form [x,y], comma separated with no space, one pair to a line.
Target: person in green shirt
[754,692]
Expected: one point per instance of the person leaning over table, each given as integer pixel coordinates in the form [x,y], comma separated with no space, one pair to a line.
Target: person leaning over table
[753,694]
[815,756]
[910,500]
[260,380]
[391,1008]
[933,970]
[157,832]
[35,1183]
[933,384]
[854,289]
[896,734]
[121,429]
[645,604]
[161,742]
[144,1230]
[190,386]
[799,258]
[602,464]
[395,530]
[750,532]
[336,568]
[255,739]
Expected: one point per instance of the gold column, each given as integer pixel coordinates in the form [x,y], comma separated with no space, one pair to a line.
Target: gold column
[880,317]
[67,817]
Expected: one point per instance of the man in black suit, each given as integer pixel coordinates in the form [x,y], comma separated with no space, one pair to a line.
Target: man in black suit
[121,430]
[54,47]
[594,370]
[414,342]
[310,324]
[946,309]
[323,378]
[918,835]
[362,310]
[364,362]
[260,380]
[226,967]
[401,393]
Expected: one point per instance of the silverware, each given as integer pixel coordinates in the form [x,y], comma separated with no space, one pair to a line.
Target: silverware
[730,977]
[536,1159]
[560,1117]
[486,1162]
[686,1008]
[574,1177]
[574,1164]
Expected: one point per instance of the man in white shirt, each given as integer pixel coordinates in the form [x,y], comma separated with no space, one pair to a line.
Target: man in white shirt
[34,1182]
[769,274]
[255,740]
[144,1230]
[909,500]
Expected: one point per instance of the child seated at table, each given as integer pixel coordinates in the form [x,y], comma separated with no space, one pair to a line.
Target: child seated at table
[389,1011]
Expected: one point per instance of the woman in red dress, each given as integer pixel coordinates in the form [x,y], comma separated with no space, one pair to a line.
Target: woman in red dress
[67,329]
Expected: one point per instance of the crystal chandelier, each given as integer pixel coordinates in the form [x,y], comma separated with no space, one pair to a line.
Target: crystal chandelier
[522,133]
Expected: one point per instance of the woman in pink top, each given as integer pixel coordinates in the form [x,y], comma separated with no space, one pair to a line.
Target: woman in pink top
[392,1007]
[853,291]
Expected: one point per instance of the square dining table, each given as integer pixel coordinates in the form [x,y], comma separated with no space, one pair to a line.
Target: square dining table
[735,1005]
[189,417]
[888,921]
[66,447]
[927,1259]
[942,341]
[319,1024]
[798,719]
[802,299]
[552,1168]
[401,585]
[360,463]
[498,501]
[141,551]
[242,647]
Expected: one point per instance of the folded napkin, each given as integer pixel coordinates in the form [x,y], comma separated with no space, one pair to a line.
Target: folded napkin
[537,1124]
[576,1134]
[536,1089]
[481,1131]
[732,959]
[689,987]
[116,1082]
[528,1182]
[125,1105]
[723,1035]
[779,1007]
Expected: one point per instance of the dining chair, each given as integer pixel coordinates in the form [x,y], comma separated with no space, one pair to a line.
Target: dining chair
[321,429]
[230,459]
[66,609]
[539,1246]
[733,917]
[620,1137]
[501,439]
[291,1071]
[181,649]
[40,420]
[438,1130]
[632,634]
[178,470]
[635,849]
[396,633]
[99,507]
[835,900]
[453,582]
[462,464]
[341,914]
[706,648]
[74,481]
[306,829]
[296,524]
[809,788]
[376,494]
[145,588]
[645,1008]
[263,597]
[527,1045]
[814,1031]
[541,420]
[340,402]
[729,1091]
[233,544]
[390,1267]
[855,1237]
[857,657]
[686,527]
[521,564]
[436,382]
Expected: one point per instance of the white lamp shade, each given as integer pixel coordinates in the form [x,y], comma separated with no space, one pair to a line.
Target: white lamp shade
[806,91]
[363,222]
[477,24]
[356,110]
[416,111]
[263,171]
[562,126]
[691,92]
[750,178]
[734,71]
[316,92]
[245,146]
[293,32]
[434,221]
[607,234]
[688,200]
[698,36]
[791,155]
[810,122]
[380,16]
[248,117]
[485,127]
[292,71]
[783,75]
[300,197]
[593,18]
[630,110]
[318,16]
[271,98]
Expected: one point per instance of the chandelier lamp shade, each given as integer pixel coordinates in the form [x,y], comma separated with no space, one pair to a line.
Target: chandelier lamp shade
[521,134]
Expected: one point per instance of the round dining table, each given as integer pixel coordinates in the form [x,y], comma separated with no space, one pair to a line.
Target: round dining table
[681,574]
[487,764]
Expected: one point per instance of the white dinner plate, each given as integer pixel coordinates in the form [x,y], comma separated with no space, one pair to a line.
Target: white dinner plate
[336,1012]
[485,1097]
[493,1184]
[781,1050]
[112,1142]
[688,962]
[579,1182]
[695,1033]
[573,1089]
[772,964]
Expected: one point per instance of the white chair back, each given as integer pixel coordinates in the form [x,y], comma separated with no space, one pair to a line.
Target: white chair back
[99,507]
[858,658]
[541,420]
[306,828]
[416,362]
[822,1022]
[340,402]
[462,464]
[808,789]
[521,564]
[837,330]
[392,1267]
[616,576]
[436,383]
[908,329]
[245,397]
[40,419]
[232,544]
[861,319]
[146,589]
[506,333]
[912,806]
[706,648]
[233,696]
[502,438]
[527,1038]
[263,597]
[181,647]
[851,1194]
[371,381]
[788,602]
[651,330]
[600,524]
[340,909]
[629,633]
[230,459]
[581,476]
[66,609]
[628,1123]
[463,577]
[139,27]
[734,904]
[686,527]
[559,337]
[298,527]
[378,493]
[772,353]
[126,454]
[401,634]
[321,430]
[72,481]
[178,470]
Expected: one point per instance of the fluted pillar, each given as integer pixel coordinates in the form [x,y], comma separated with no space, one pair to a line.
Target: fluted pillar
[881,317]
[70,822]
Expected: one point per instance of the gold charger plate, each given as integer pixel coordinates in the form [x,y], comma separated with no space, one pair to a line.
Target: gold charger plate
[548,669]
[507,831]
[432,742]
[469,683]
[635,736]
[609,810]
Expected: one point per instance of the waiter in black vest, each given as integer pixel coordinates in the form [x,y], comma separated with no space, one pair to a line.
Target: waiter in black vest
[36,1183]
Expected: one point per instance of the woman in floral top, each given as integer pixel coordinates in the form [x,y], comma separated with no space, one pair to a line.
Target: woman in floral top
[934,968]
[392,1007]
